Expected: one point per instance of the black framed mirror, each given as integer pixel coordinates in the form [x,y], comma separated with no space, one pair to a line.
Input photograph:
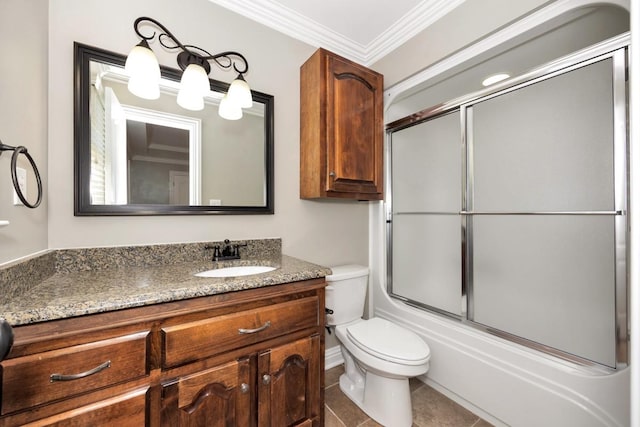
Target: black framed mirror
[135,156]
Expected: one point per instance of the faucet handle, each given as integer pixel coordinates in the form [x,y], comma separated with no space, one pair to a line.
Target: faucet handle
[236,248]
[216,251]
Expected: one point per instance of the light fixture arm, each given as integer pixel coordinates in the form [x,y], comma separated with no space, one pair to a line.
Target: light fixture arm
[193,54]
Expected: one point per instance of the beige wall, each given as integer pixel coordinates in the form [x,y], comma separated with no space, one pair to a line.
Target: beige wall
[42,119]
[323,232]
[23,119]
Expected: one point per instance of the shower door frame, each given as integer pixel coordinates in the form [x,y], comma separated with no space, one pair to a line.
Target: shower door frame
[615,49]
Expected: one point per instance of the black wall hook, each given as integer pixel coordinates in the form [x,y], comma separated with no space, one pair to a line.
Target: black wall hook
[14,174]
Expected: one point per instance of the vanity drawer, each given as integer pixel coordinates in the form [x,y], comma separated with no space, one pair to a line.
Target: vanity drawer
[200,339]
[46,377]
[122,410]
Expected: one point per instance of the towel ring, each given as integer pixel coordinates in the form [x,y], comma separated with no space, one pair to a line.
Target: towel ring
[14,175]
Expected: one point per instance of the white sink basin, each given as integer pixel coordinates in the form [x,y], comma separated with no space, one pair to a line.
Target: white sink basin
[242,270]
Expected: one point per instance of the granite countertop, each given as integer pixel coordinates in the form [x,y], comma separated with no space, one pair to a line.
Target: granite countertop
[74,293]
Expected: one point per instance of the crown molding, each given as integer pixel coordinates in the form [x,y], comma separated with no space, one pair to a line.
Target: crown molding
[412,23]
[300,27]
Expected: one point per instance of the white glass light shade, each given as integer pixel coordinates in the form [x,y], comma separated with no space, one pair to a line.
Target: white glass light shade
[240,93]
[190,100]
[194,85]
[228,109]
[144,72]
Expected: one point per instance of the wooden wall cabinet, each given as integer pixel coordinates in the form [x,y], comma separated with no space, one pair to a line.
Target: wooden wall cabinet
[248,358]
[341,129]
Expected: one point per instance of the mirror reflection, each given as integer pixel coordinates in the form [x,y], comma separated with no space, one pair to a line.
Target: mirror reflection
[139,156]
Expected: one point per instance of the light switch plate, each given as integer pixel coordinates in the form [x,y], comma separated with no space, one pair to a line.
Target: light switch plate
[21,173]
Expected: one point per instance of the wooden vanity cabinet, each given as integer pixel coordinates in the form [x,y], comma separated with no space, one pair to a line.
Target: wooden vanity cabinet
[276,373]
[247,358]
[282,385]
[341,129]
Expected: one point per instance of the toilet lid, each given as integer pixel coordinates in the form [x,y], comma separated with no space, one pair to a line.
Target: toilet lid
[389,341]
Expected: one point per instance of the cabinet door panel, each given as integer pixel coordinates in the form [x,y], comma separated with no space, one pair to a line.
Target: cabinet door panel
[289,384]
[354,147]
[218,397]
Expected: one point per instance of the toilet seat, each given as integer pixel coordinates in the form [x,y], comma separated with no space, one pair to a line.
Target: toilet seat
[388,341]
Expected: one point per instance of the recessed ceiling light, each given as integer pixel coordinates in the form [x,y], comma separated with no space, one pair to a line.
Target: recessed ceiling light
[495,79]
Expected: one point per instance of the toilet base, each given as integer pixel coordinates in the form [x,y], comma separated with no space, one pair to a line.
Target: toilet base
[378,386]
[385,400]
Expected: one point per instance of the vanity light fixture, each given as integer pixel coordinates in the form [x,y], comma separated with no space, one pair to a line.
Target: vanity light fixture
[495,79]
[144,73]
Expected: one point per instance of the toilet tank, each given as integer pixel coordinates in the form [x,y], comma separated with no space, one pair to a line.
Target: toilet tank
[345,293]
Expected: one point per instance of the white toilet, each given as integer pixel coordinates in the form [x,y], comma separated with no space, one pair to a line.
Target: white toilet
[379,356]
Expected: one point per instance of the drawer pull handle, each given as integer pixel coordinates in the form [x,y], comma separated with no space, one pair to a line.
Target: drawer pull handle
[253,331]
[61,377]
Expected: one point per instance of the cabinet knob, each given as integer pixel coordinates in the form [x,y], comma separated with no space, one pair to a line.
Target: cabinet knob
[266,379]
[244,388]
[332,174]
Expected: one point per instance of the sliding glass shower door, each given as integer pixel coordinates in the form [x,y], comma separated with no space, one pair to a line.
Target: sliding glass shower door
[427,194]
[508,211]
[543,190]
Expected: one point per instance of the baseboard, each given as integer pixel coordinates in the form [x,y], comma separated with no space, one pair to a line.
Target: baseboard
[332,357]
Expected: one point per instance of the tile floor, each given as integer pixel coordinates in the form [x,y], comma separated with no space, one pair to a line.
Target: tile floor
[430,408]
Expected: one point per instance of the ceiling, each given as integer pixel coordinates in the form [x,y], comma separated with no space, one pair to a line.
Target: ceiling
[361,30]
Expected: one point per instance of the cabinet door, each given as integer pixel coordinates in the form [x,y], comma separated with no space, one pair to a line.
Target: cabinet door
[354,134]
[289,384]
[217,397]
